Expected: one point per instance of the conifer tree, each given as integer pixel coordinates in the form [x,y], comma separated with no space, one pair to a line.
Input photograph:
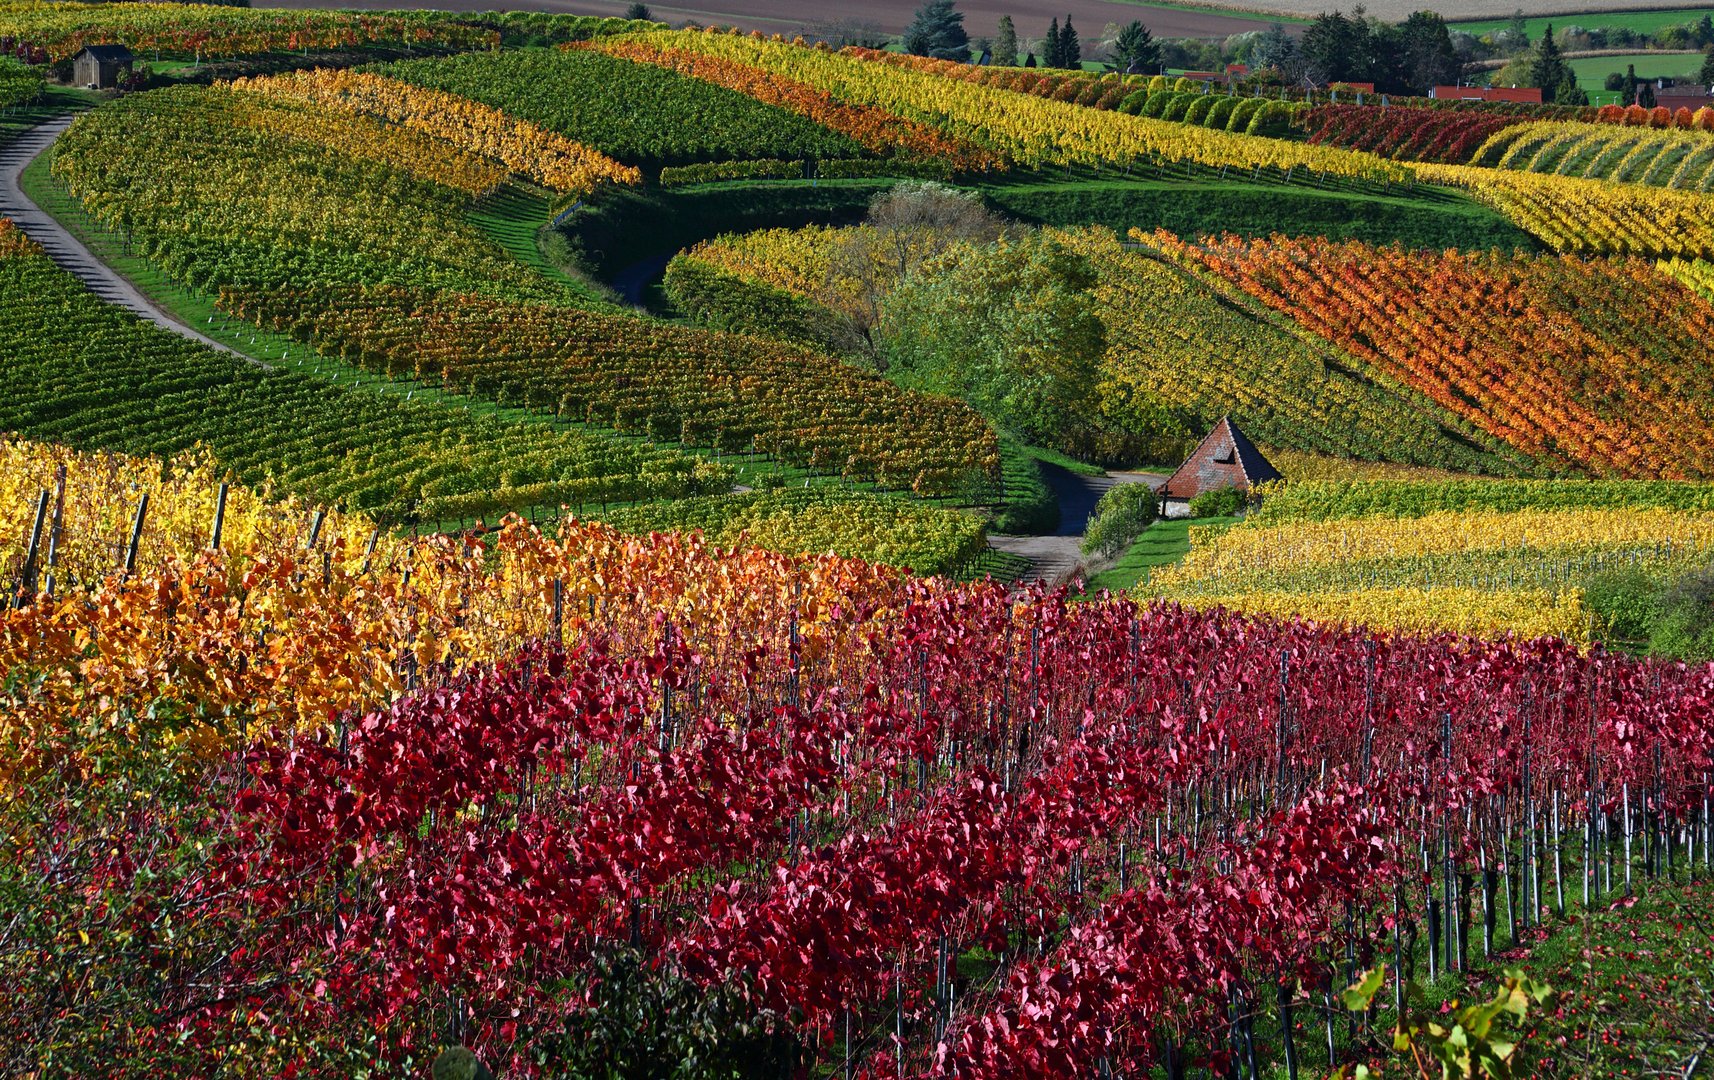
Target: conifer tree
[1006,43]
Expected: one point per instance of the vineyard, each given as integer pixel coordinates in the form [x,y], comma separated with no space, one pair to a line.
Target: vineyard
[637,113]
[1024,129]
[151,392]
[207,29]
[1487,573]
[696,387]
[19,84]
[1670,158]
[633,552]
[1169,376]
[1139,835]
[187,176]
[894,532]
[1610,392]
[1444,136]
[554,162]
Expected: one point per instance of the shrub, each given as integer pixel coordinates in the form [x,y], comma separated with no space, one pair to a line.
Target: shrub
[1199,109]
[1243,112]
[1684,626]
[1221,502]
[1272,119]
[1134,102]
[1220,112]
[1179,106]
[1625,602]
[1120,517]
[1158,104]
[1159,84]
[1184,84]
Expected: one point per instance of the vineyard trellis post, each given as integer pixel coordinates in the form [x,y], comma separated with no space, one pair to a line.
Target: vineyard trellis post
[56,529]
[136,533]
[1448,875]
[27,573]
[219,517]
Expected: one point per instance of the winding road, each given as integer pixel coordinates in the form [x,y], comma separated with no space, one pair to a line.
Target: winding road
[64,248]
[1055,558]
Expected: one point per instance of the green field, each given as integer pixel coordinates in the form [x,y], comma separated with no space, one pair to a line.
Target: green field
[1592,71]
[1642,21]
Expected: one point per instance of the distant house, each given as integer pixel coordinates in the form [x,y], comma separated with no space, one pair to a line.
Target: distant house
[1522,95]
[100,67]
[1226,458]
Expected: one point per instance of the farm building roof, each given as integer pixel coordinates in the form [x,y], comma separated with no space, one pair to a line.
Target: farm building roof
[1225,458]
[117,53]
[1524,95]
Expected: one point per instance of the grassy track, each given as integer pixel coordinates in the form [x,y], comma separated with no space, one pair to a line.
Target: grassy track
[631,226]
[513,217]
[1162,544]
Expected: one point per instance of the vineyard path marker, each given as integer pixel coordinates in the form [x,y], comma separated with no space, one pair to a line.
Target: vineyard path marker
[65,249]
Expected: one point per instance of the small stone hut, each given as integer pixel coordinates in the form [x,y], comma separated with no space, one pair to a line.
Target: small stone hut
[1226,458]
[100,67]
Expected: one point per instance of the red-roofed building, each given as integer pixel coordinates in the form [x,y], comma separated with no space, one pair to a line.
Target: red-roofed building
[1683,97]
[1522,95]
[1226,458]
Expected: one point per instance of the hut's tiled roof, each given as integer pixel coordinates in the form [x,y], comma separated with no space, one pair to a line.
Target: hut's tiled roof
[1225,458]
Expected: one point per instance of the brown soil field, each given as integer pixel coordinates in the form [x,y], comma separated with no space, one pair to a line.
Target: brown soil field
[787,16]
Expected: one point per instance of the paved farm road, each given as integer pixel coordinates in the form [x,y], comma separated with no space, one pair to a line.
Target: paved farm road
[1054,558]
[64,248]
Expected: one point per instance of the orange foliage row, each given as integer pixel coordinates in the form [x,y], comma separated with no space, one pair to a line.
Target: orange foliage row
[1658,117]
[201,644]
[1078,88]
[874,128]
[1589,365]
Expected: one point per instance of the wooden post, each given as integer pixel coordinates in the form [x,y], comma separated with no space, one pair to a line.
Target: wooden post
[136,534]
[55,529]
[369,551]
[1558,875]
[1287,1042]
[27,574]
[315,529]
[219,518]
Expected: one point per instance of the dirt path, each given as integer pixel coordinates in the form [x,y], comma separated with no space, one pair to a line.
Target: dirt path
[64,248]
[1055,558]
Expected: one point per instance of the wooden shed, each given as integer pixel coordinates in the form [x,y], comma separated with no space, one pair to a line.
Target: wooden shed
[100,67]
[1226,458]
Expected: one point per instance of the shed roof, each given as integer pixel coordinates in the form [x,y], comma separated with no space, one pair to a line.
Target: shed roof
[1225,458]
[117,53]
